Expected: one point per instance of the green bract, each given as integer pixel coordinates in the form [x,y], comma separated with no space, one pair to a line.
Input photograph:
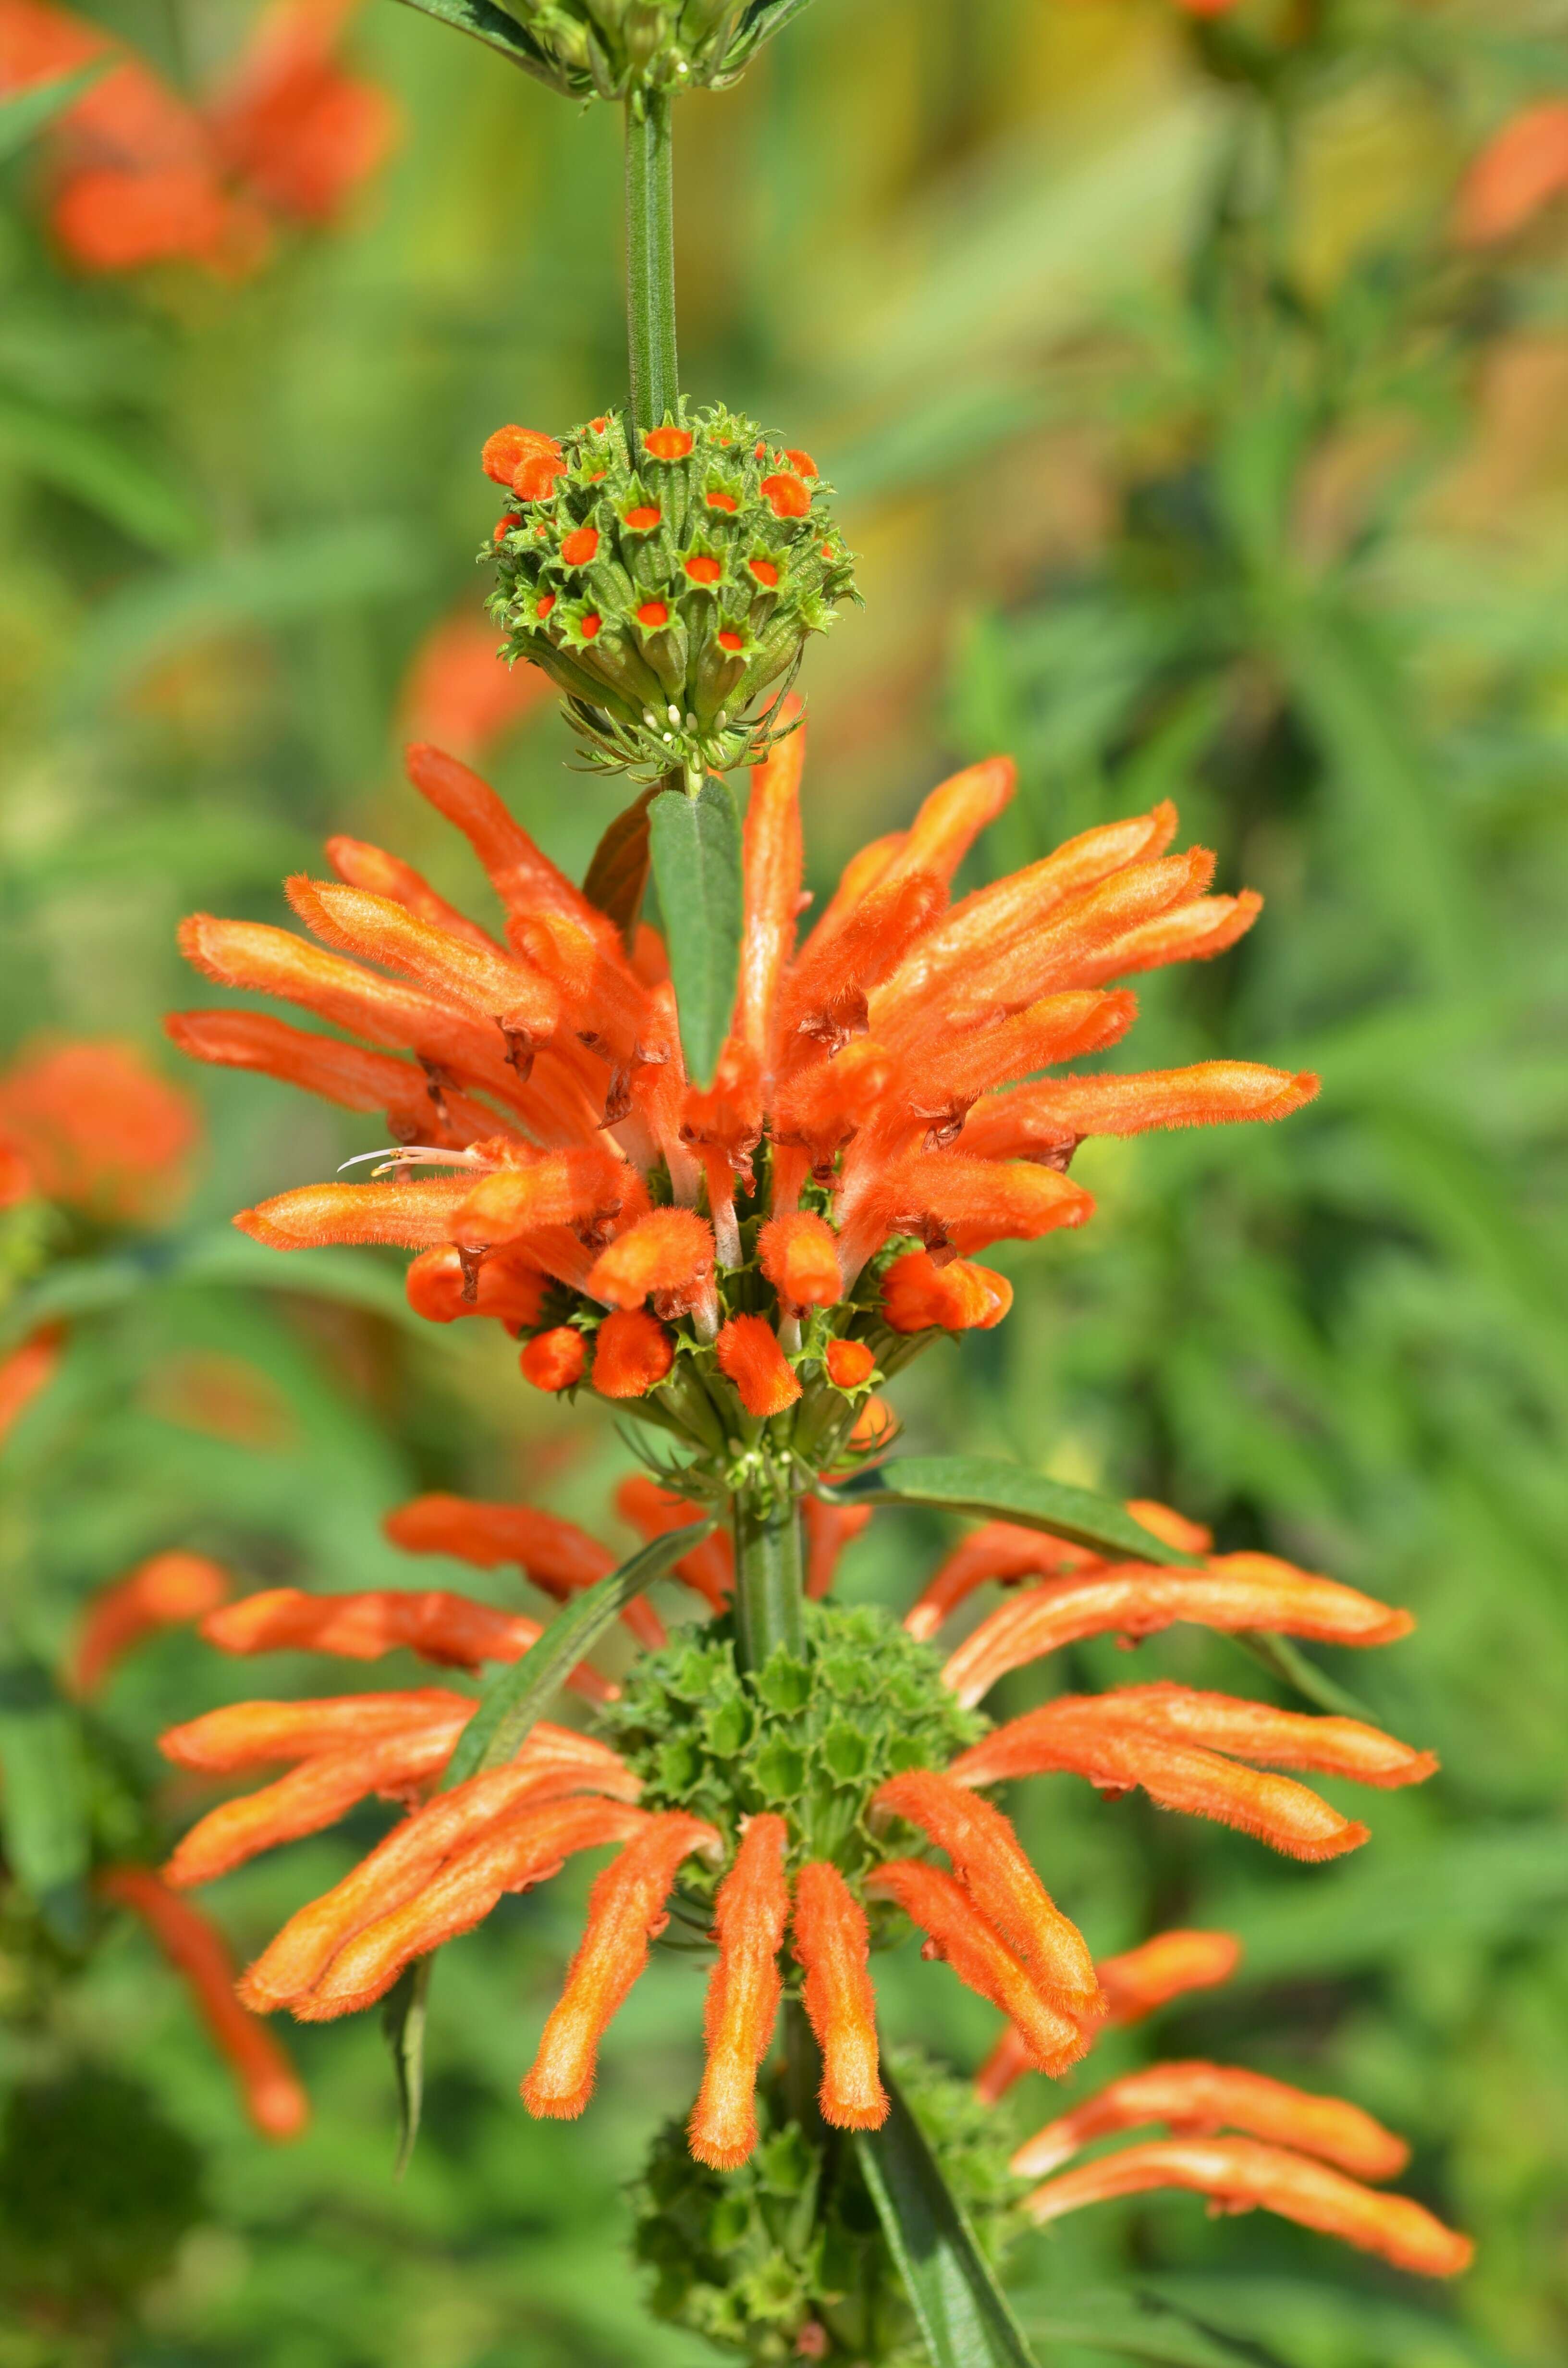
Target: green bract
[811,1739]
[665,581]
[605,49]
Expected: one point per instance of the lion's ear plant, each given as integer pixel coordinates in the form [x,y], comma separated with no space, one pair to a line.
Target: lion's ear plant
[730,1178]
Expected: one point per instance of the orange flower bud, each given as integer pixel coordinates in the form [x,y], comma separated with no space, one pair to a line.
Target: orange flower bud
[643,516]
[161,1592]
[626,1909]
[850,1364]
[1241,2175]
[27,1371]
[533,480]
[442,1286]
[1236,1591]
[523,1849]
[669,1250]
[632,1353]
[989,1861]
[750,1913]
[666,443]
[578,547]
[750,1356]
[1197,2099]
[786,497]
[722,501]
[508,448]
[553,1761]
[413,1215]
[962,1937]
[555,1359]
[960,1296]
[274,2097]
[264,1733]
[654,613]
[766,573]
[801,463]
[798,1255]
[701,569]
[832,1946]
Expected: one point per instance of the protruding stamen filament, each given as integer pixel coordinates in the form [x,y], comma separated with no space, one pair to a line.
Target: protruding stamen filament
[626,1910]
[1197,2099]
[832,1945]
[991,1865]
[1241,2175]
[749,1916]
[962,1937]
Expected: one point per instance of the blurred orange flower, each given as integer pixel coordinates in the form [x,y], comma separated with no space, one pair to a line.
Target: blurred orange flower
[96,1128]
[1521,169]
[459,694]
[142,175]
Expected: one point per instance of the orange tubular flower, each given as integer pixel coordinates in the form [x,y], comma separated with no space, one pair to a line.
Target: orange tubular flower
[274,2098]
[518,1851]
[1240,2175]
[556,1556]
[163,1592]
[990,1863]
[632,1353]
[749,1354]
[829,1528]
[743,1989]
[553,1762]
[798,1255]
[1048,1121]
[710,1569]
[99,1130]
[832,1944]
[1135,1984]
[959,1297]
[26,1372]
[668,1255]
[450,1630]
[1197,2100]
[1236,1591]
[959,1934]
[626,1910]
[262,1733]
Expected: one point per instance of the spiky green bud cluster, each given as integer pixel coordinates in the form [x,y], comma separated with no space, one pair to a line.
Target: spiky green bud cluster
[811,1739]
[665,580]
[789,2247]
[604,48]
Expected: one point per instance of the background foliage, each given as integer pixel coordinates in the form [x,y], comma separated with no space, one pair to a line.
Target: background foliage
[1188,455]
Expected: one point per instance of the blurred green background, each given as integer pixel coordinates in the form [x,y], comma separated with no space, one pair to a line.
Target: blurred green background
[1188,454]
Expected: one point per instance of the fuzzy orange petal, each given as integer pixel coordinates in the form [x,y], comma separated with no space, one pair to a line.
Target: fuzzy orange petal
[1197,2099]
[832,1944]
[750,1914]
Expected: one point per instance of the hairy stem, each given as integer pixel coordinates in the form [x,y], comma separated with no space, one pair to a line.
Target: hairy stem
[769,1578]
[650,259]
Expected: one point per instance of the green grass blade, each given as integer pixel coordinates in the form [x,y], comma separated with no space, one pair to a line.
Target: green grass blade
[28,112]
[43,1800]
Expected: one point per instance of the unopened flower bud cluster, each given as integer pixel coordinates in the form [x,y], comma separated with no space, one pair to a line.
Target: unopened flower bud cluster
[607,49]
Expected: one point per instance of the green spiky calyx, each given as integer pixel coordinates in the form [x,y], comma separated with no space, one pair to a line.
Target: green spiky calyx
[811,1739]
[609,48]
[785,2258]
[665,581]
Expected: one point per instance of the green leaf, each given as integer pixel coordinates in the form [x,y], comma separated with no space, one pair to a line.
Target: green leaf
[25,115]
[513,1700]
[81,461]
[964,2316]
[497,31]
[617,879]
[43,1802]
[404,2010]
[1008,1492]
[696,848]
[1131,2326]
[1293,1667]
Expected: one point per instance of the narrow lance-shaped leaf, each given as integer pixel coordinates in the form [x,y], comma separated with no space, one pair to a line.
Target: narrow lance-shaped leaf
[1129,2327]
[519,1697]
[1286,1661]
[497,31]
[403,2012]
[965,2318]
[28,112]
[1007,1492]
[617,879]
[696,845]
[44,1802]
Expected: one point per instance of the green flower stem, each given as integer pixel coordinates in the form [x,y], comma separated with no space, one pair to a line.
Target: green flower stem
[650,258]
[769,1578]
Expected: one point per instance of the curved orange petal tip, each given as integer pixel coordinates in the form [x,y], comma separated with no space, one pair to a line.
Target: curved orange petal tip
[798,1255]
[1171,1528]
[626,1910]
[1200,2098]
[27,1371]
[918,1295]
[832,1946]
[1048,1120]
[274,2096]
[989,1861]
[1134,1984]
[1518,172]
[632,1353]
[555,1359]
[668,1252]
[957,1933]
[414,1215]
[518,1850]
[998,1549]
[161,1592]
[749,1355]
[1236,1591]
[451,1629]
[269,1734]
[1241,2175]
[553,1762]
[750,1914]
